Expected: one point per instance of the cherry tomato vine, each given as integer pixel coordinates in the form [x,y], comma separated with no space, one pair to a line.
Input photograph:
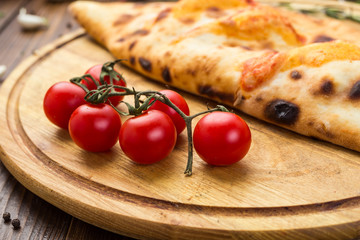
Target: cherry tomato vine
[86,106]
[107,89]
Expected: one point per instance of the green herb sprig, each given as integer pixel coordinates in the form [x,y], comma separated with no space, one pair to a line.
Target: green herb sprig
[329,11]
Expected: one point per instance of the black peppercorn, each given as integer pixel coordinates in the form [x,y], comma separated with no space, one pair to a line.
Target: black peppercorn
[6,216]
[69,25]
[16,223]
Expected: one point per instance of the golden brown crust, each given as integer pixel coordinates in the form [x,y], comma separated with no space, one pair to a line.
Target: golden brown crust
[242,53]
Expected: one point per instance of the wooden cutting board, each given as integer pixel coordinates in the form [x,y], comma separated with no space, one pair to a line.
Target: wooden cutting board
[288,186]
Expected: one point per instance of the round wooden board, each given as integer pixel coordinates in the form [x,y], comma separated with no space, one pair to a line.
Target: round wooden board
[288,186]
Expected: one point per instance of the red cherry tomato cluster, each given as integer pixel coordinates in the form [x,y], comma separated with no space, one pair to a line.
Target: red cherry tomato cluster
[94,128]
[219,138]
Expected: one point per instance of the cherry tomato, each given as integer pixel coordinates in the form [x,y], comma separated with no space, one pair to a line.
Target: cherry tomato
[180,102]
[148,138]
[95,128]
[95,71]
[221,138]
[60,102]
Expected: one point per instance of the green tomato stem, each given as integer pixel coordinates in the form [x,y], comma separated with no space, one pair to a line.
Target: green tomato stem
[188,170]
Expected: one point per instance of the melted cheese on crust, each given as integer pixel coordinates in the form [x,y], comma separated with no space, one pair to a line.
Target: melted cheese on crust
[257,24]
[326,113]
[190,10]
[317,54]
[260,70]
[258,27]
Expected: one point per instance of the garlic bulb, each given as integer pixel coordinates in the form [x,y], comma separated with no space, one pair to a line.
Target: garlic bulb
[29,21]
[2,70]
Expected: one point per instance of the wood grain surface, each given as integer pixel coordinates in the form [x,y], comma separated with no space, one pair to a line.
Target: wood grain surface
[288,186]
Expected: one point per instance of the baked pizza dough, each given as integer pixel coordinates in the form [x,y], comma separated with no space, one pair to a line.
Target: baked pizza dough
[280,66]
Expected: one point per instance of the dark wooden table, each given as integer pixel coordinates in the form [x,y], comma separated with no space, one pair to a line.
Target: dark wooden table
[39,219]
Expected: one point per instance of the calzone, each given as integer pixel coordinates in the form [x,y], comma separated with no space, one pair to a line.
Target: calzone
[280,66]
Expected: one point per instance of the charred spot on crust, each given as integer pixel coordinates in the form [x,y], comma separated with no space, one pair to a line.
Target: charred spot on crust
[167,54]
[246,47]
[206,66]
[295,74]
[132,60]
[191,72]
[324,131]
[125,18]
[355,91]
[258,99]
[281,111]
[235,44]
[145,64]
[211,92]
[166,75]
[320,128]
[163,14]
[323,38]
[141,32]
[231,44]
[214,12]
[132,45]
[213,9]
[327,87]
[268,45]
[207,90]
[187,20]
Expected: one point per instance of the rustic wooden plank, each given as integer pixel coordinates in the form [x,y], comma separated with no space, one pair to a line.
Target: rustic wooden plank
[82,229]
[9,9]
[39,219]
[20,44]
